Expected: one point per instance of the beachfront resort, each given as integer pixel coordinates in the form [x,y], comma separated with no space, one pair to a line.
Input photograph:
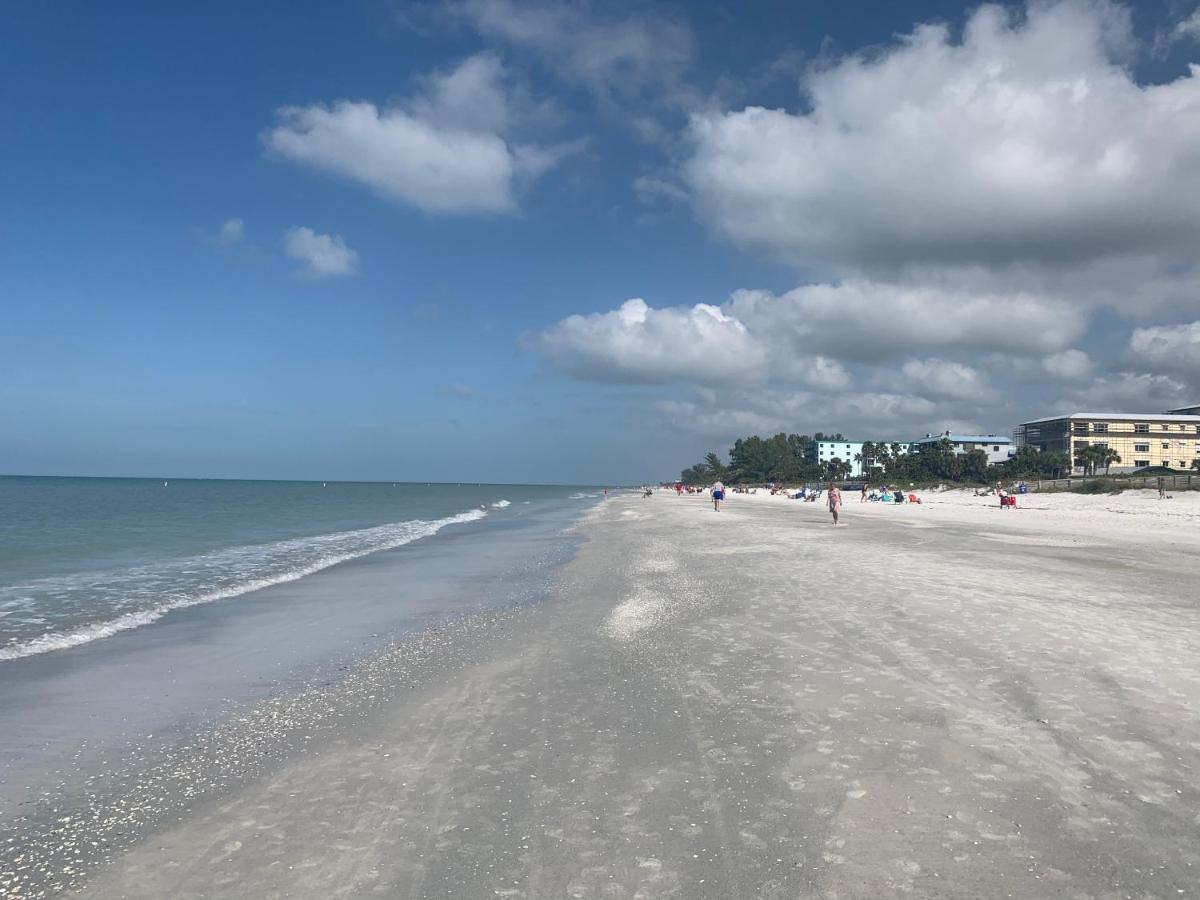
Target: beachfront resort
[1119,443]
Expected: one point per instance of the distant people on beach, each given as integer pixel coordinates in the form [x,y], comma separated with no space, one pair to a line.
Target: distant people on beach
[718,495]
[834,500]
[863,497]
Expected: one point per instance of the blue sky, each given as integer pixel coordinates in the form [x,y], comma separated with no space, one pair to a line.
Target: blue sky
[399,241]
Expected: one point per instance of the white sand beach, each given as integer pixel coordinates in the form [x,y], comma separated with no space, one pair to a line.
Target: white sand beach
[1131,516]
[943,700]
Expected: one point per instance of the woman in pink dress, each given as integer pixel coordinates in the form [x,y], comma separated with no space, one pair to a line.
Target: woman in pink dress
[834,500]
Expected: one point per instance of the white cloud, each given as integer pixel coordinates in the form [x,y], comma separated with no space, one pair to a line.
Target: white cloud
[443,150]
[1189,27]
[940,377]
[470,97]
[616,58]
[718,419]
[322,254]
[1124,392]
[231,232]
[727,414]
[806,336]
[639,344]
[1172,347]
[1069,365]
[1026,140]
[871,321]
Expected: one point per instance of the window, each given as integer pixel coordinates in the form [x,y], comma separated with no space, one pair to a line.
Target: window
[1141,462]
[1167,463]
[1101,443]
[1079,427]
[996,448]
[1166,426]
[1141,448]
[1100,428]
[1141,428]
[1166,445]
[1080,444]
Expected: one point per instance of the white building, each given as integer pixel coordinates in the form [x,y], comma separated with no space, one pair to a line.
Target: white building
[847,451]
[998,447]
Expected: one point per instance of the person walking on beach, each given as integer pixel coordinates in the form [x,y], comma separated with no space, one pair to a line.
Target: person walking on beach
[718,494]
[863,498]
[834,499]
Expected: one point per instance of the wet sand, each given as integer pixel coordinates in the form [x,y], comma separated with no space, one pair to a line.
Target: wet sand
[939,703]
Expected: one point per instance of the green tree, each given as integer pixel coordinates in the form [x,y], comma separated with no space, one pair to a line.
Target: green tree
[1029,461]
[973,466]
[715,469]
[837,469]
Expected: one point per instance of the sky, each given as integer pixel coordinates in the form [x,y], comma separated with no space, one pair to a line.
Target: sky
[579,242]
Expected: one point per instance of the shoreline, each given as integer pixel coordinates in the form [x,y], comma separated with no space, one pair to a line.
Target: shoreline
[251,679]
[700,709]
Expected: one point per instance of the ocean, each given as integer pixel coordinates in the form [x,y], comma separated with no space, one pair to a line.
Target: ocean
[84,559]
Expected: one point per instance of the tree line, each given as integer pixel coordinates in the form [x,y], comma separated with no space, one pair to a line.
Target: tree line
[784,459]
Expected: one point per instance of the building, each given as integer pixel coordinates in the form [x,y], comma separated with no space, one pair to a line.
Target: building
[847,451]
[1140,439]
[997,446]
[1193,410]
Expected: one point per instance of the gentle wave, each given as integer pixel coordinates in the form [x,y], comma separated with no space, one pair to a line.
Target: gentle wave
[500,504]
[157,590]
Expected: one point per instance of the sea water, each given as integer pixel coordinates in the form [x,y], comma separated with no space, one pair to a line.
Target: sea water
[83,559]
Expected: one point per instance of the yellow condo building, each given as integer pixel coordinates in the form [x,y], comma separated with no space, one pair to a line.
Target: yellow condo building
[1141,439]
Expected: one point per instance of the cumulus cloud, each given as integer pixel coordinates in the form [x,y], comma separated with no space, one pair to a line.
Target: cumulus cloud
[943,378]
[726,414]
[1124,392]
[1025,140]
[323,255]
[1069,365]
[1171,347]
[806,336]
[444,150]
[869,321]
[639,344]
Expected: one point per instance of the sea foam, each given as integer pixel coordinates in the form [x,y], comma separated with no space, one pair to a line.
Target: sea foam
[143,595]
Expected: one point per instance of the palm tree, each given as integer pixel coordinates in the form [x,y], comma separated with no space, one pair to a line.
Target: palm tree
[1106,457]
